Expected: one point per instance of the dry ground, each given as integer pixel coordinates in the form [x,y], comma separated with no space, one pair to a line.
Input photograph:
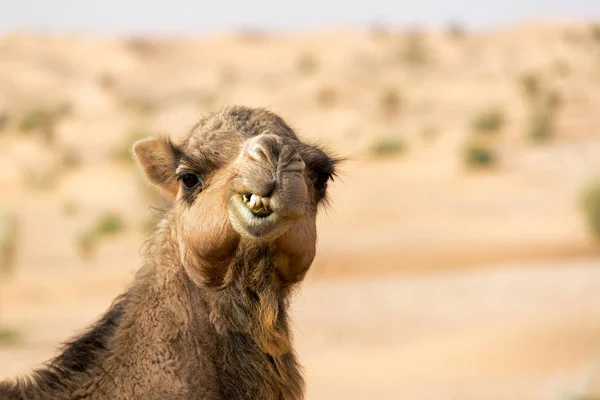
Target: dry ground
[528,331]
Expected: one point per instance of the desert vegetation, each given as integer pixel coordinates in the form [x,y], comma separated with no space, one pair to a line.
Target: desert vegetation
[9,337]
[43,120]
[488,121]
[105,226]
[478,154]
[387,146]
[590,206]
[542,106]
[9,243]
[530,85]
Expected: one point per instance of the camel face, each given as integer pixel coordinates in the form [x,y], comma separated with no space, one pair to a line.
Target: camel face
[241,179]
[270,190]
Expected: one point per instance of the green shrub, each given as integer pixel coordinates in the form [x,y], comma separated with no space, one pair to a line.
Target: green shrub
[478,155]
[489,121]
[543,103]
[10,337]
[590,206]
[387,147]
[9,242]
[108,225]
[531,85]
[37,119]
[44,120]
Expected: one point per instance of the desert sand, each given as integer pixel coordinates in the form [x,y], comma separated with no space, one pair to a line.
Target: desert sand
[433,280]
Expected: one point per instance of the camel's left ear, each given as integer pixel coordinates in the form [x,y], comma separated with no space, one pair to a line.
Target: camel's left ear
[158,159]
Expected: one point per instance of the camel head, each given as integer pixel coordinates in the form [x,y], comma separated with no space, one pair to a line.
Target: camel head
[242,182]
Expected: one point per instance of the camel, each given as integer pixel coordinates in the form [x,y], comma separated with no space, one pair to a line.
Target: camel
[206,316]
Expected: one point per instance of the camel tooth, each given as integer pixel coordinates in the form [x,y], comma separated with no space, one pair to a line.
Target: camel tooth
[266,201]
[254,202]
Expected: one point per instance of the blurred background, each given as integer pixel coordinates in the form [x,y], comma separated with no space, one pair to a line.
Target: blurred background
[460,258]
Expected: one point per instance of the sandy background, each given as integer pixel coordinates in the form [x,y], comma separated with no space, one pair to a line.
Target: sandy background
[433,280]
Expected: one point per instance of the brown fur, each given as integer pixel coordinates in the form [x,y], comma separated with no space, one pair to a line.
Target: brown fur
[206,316]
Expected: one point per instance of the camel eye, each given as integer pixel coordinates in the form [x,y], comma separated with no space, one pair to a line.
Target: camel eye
[189,181]
[322,179]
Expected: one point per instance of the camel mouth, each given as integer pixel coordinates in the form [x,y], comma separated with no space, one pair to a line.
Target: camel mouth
[251,215]
[259,206]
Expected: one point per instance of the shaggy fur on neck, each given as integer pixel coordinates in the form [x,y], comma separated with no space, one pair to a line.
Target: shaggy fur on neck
[168,338]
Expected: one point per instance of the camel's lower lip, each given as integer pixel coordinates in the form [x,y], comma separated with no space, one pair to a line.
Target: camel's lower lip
[256,224]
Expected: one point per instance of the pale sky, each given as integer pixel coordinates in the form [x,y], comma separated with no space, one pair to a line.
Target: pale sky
[193,17]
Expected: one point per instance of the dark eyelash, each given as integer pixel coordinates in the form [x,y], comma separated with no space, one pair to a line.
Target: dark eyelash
[322,179]
[189,196]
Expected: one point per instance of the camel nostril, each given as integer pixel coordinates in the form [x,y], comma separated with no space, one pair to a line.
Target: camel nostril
[258,153]
[296,164]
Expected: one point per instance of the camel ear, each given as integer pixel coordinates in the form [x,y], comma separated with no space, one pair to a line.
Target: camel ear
[158,159]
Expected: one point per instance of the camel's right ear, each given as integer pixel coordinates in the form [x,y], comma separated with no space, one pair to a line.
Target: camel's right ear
[158,159]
